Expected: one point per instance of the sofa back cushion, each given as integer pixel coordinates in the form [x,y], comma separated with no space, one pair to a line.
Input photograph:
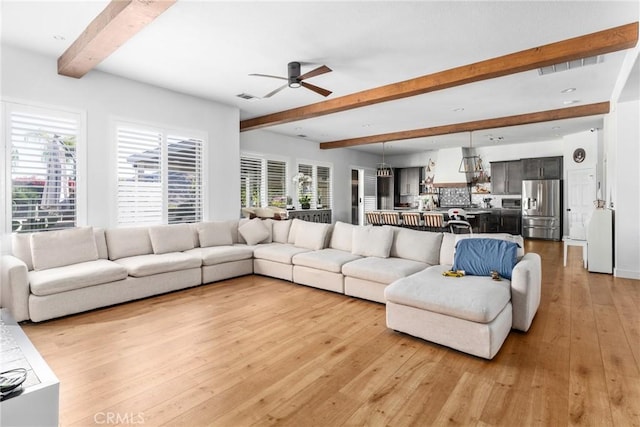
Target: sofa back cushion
[422,246]
[101,243]
[126,242]
[312,235]
[342,236]
[293,230]
[447,250]
[171,238]
[63,247]
[217,233]
[372,241]
[281,231]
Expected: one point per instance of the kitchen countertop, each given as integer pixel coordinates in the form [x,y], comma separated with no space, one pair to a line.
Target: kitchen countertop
[470,211]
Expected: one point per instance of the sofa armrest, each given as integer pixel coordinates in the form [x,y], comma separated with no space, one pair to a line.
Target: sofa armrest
[526,281]
[14,287]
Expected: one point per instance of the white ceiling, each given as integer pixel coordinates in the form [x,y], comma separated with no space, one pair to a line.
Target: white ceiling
[208,48]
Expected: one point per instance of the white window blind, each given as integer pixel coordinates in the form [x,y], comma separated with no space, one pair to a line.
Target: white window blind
[263,182]
[276,183]
[43,168]
[159,177]
[318,190]
[251,188]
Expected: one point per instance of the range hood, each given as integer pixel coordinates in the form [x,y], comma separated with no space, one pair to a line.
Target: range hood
[447,168]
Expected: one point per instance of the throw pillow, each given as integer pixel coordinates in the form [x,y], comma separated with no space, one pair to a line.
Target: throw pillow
[254,231]
[478,257]
[64,247]
[372,241]
[215,234]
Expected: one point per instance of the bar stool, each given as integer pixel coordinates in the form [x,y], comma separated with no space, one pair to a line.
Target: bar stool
[391,218]
[374,218]
[433,221]
[411,220]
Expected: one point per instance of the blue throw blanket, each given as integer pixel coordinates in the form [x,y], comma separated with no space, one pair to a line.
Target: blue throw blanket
[478,257]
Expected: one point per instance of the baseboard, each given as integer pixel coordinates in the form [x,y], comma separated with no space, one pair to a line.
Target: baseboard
[626,274]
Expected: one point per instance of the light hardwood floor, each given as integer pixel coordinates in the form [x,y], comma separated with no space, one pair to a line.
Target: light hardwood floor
[259,351]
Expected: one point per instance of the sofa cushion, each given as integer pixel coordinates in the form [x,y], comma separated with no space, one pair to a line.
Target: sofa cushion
[382,270]
[423,246]
[293,230]
[171,238]
[101,243]
[479,257]
[281,231]
[372,241]
[148,265]
[342,236]
[63,247]
[128,242]
[254,231]
[325,259]
[76,276]
[312,235]
[220,254]
[216,233]
[473,298]
[278,252]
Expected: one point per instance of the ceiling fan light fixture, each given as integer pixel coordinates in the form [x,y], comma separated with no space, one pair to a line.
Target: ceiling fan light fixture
[294,84]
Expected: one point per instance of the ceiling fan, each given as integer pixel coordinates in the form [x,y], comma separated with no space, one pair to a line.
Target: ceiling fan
[295,80]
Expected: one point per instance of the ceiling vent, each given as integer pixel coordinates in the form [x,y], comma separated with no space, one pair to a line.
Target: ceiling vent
[564,66]
[247,96]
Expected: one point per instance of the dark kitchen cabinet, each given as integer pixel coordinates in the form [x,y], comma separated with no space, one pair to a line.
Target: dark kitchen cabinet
[510,222]
[542,168]
[506,177]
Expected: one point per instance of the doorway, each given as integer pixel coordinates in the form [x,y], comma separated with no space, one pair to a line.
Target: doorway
[363,193]
[355,197]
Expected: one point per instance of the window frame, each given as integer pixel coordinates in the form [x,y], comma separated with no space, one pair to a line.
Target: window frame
[314,164]
[166,132]
[9,105]
[264,179]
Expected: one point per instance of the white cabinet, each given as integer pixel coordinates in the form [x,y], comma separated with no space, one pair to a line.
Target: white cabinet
[600,241]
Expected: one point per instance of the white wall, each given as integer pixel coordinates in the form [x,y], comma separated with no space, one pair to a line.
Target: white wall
[294,149]
[32,78]
[626,200]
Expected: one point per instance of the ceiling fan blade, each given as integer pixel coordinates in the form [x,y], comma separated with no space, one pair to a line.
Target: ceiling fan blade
[316,89]
[316,72]
[270,76]
[273,92]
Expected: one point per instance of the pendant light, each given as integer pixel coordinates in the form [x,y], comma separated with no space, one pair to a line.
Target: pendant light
[384,170]
[472,163]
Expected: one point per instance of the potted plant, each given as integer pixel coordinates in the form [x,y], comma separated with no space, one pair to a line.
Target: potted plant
[289,203]
[305,201]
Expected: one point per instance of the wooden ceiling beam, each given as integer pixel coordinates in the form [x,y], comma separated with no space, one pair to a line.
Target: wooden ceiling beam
[117,23]
[606,41]
[520,119]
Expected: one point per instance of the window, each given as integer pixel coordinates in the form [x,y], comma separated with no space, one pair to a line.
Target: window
[263,182]
[159,176]
[43,167]
[314,185]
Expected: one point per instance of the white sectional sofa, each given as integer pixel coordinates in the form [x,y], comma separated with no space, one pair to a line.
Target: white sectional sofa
[64,272]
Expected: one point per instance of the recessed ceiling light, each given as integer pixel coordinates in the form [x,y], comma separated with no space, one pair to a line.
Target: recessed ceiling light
[572,101]
[458,110]
[555,128]
[568,90]
[59,37]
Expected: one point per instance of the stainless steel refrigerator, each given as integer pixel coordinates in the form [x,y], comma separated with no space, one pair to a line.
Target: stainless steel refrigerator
[541,209]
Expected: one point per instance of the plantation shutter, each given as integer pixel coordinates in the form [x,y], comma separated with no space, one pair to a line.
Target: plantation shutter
[324,187]
[250,182]
[43,168]
[139,177]
[184,192]
[276,183]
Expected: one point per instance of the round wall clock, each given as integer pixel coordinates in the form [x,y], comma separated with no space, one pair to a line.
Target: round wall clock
[579,155]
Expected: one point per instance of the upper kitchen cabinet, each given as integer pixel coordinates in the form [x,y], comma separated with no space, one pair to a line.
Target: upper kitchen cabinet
[409,181]
[542,168]
[506,177]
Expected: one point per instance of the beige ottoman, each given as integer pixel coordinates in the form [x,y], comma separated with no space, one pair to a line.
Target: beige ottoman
[472,314]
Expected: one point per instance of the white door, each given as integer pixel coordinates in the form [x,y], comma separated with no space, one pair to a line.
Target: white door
[581,195]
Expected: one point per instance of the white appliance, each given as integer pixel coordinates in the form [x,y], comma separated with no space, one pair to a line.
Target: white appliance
[600,241]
